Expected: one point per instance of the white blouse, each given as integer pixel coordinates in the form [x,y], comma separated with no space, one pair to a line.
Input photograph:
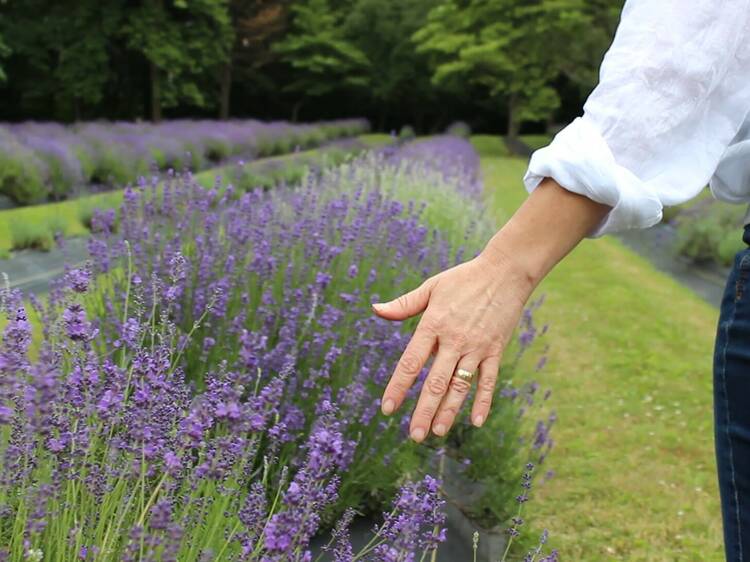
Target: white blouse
[669,114]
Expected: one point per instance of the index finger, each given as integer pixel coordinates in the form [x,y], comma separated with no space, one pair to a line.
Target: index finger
[415,356]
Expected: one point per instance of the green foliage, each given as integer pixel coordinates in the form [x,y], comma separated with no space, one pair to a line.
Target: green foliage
[110,168]
[710,231]
[121,58]
[382,30]
[536,142]
[489,145]
[459,129]
[4,52]
[406,133]
[182,40]
[504,49]
[21,176]
[67,51]
[88,206]
[31,236]
[317,49]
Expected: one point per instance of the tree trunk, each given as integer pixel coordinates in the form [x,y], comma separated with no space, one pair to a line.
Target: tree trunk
[513,124]
[225,91]
[418,119]
[155,92]
[383,117]
[76,109]
[295,111]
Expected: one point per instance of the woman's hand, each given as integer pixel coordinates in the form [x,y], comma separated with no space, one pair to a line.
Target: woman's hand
[470,312]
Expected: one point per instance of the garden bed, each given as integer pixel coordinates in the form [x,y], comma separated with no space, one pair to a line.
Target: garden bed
[199,393]
[49,161]
[36,227]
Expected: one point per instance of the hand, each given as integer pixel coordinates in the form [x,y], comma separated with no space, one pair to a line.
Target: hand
[470,312]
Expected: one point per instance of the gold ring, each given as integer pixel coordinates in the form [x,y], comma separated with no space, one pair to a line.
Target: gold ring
[464,375]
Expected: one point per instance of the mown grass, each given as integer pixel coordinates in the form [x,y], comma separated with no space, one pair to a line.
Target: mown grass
[630,369]
[536,141]
[38,223]
[374,140]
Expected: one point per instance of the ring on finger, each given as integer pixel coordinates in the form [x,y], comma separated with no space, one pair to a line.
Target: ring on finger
[464,375]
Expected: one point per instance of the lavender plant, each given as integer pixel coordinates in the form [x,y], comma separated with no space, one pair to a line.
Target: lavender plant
[50,161]
[210,388]
[116,458]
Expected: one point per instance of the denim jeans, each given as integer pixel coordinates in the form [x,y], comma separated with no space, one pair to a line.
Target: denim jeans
[732,407]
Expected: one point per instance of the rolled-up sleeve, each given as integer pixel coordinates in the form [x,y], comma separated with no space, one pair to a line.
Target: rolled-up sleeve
[674,90]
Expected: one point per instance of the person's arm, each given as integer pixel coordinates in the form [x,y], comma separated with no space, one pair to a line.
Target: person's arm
[474,307]
[673,93]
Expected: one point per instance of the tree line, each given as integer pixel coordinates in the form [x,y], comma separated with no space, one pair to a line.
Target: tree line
[494,63]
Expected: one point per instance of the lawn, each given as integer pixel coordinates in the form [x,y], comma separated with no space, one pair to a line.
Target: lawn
[536,141]
[630,368]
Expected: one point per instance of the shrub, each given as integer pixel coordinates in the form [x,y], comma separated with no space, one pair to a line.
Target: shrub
[38,160]
[28,235]
[710,230]
[217,149]
[459,129]
[21,175]
[88,209]
[282,280]
[62,168]
[107,453]
[115,166]
[212,391]
[407,133]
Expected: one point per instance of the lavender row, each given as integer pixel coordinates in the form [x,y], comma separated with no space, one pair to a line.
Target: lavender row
[209,388]
[42,161]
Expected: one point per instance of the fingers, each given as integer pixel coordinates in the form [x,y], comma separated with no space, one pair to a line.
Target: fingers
[458,390]
[407,305]
[435,387]
[415,356]
[488,370]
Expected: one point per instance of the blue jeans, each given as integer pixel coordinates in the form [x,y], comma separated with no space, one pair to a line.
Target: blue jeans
[732,407]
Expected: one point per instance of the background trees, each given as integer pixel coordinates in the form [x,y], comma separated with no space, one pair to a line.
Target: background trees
[322,58]
[495,63]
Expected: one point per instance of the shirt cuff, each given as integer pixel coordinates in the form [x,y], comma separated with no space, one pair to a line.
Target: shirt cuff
[580,160]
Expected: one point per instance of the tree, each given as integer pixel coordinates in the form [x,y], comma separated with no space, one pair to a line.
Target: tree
[183,41]
[64,47]
[255,24]
[4,52]
[322,58]
[398,76]
[506,49]
[581,66]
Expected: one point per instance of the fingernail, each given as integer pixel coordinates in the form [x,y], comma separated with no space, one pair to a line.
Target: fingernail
[388,406]
[478,420]
[439,429]
[418,434]
[378,305]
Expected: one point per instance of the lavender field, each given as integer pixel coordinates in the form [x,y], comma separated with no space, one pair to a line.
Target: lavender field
[50,161]
[207,386]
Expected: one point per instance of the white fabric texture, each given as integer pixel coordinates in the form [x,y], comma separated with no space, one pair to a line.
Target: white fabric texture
[668,113]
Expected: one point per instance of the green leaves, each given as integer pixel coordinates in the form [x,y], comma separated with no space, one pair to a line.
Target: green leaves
[511,50]
[319,52]
[183,41]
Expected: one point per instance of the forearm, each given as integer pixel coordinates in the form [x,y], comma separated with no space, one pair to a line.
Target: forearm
[549,224]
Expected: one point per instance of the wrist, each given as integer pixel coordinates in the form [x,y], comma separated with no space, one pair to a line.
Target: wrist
[511,260]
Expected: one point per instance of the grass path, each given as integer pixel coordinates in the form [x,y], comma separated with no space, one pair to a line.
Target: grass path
[630,369]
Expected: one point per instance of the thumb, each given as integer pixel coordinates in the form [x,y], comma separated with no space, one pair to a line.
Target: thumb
[407,305]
